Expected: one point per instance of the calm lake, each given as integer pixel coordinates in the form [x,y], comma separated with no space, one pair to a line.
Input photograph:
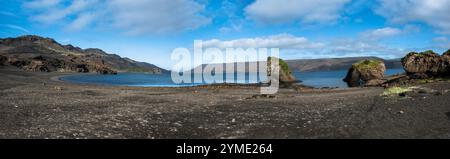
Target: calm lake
[315,79]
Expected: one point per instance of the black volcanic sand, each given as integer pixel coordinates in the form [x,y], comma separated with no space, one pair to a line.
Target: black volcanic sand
[32,105]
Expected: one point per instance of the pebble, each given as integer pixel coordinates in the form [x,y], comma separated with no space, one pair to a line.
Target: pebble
[177,124]
[401,112]
[234,120]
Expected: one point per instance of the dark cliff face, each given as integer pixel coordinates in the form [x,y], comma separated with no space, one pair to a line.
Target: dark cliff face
[36,53]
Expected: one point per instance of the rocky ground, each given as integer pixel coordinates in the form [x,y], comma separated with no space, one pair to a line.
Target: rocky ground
[32,105]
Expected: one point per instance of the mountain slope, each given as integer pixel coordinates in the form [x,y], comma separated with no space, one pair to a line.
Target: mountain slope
[309,65]
[36,53]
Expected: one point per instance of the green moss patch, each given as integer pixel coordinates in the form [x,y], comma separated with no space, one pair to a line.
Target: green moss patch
[283,65]
[394,91]
[365,65]
[422,54]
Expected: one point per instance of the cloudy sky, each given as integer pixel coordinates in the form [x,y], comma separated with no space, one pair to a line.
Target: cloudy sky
[148,30]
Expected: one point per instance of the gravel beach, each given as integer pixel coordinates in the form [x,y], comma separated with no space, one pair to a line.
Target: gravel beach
[37,105]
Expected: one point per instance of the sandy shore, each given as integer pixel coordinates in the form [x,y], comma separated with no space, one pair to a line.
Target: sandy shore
[35,105]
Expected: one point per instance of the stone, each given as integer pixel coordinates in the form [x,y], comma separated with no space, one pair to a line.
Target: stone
[426,64]
[286,78]
[374,83]
[3,60]
[366,73]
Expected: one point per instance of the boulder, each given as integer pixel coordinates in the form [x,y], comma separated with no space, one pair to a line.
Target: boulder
[37,66]
[100,68]
[446,63]
[3,60]
[286,77]
[375,83]
[366,73]
[426,64]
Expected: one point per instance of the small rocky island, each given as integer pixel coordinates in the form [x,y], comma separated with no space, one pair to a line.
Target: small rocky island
[366,73]
[38,54]
[286,78]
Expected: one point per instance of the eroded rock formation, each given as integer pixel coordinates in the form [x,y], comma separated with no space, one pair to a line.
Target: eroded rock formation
[426,64]
[286,78]
[366,73]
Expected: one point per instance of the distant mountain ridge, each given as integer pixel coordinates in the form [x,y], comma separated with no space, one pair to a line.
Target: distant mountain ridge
[330,64]
[310,65]
[36,53]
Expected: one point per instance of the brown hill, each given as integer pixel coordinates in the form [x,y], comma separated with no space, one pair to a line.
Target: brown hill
[36,53]
[310,65]
[330,64]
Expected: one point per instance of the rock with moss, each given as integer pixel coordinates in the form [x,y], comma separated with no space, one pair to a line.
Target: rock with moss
[366,73]
[286,76]
[426,64]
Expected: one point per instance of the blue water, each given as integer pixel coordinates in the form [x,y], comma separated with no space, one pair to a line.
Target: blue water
[331,78]
[151,80]
[316,79]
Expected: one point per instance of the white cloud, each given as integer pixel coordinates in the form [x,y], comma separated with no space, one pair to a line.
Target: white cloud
[301,47]
[15,27]
[231,10]
[53,11]
[157,16]
[432,12]
[377,34]
[442,42]
[134,17]
[357,47]
[81,21]
[305,11]
[282,41]
[41,4]
[7,14]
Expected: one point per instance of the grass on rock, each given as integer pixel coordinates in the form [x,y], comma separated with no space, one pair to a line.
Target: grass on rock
[366,65]
[394,91]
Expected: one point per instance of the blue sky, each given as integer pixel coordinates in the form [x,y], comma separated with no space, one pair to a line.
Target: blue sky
[148,30]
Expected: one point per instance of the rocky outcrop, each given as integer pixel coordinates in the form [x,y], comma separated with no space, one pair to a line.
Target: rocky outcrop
[447,53]
[426,64]
[286,78]
[36,53]
[366,73]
